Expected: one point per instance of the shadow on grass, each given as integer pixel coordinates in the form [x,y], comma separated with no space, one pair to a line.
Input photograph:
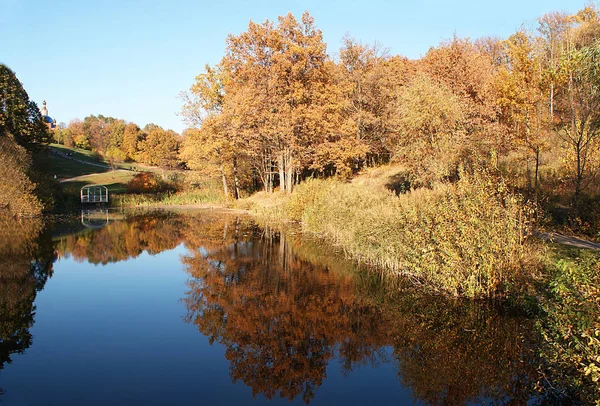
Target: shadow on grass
[398,183]
[56,164]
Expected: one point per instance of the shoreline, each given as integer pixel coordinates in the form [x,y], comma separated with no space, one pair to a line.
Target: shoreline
[198,206]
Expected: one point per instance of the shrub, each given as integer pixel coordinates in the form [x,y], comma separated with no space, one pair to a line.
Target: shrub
[142,183]
[169,199]
[148,182]
[17,191]
[304,196]
[571,328]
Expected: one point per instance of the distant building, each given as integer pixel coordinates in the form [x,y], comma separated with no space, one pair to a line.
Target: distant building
[49,121]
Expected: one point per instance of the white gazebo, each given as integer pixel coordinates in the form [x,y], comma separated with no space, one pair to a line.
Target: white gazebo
[94,194]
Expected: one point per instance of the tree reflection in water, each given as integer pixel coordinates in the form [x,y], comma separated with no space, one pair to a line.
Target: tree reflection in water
[284,307]
[125,239]
[278,316]
[283,310]
[26,258]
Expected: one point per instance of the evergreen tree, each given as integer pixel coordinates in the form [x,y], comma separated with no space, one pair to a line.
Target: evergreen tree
[19,116]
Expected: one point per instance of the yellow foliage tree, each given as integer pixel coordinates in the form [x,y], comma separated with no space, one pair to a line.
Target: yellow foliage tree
[17,195]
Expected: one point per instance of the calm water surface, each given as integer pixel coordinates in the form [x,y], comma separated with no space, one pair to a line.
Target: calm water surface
[208,308]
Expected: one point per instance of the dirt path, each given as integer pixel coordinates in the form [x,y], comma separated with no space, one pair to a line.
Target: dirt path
[570,241]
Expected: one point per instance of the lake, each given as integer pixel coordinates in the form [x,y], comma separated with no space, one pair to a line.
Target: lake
[207,307]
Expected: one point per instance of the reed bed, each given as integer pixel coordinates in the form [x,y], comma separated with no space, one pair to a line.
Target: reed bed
[469,238]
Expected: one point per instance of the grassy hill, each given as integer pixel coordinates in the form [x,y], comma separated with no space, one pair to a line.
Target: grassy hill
[71,162]
[75,168]
[64,162]
[116,181]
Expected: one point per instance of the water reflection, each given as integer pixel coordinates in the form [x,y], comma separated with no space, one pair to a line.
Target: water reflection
[124,238]
[279,317]
[283,318]
[286,309]
[26,258]
[95,218]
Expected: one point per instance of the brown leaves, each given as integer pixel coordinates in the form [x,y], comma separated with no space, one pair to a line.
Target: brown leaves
[16,189]
[160,147]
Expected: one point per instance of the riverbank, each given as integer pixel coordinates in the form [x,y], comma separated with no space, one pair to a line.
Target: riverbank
[471,239]
[269,291]
[569,319]
[466,239]
[562,299]
[190,207]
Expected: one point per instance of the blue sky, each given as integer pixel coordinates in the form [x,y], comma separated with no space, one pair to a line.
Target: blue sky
[130,58]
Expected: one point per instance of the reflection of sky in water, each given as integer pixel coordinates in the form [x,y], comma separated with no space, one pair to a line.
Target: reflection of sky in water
[115,334]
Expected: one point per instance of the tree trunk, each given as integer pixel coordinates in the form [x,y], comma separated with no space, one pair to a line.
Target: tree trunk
[265,172]
[578,179]
[289,178]
[269,168]
[224,179]
[551,103]
[537,169]
[289,169]
[281,167]
[235,178]
[528,171]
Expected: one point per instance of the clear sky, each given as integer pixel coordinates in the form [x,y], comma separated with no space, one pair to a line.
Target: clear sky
[130,58]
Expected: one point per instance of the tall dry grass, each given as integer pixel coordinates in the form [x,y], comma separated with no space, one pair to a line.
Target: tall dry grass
[467,239]
[197,197]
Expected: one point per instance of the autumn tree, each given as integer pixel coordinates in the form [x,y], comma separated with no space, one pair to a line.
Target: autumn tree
[431,136]
[131,137]
[76,132]
[19,116]
[202,153]
[469,74]
[17,195]
[492,47]
[60,134]
[588,25]
[205,98]
[283,73]
[579,114]
[262,107]
[521,95]
[21,130]
[115,133]
[553,29]
[103,133]
[370,80]
[209,146]
[160,147]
